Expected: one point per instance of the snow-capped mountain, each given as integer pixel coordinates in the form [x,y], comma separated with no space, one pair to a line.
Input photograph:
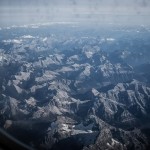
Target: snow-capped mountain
[76,88]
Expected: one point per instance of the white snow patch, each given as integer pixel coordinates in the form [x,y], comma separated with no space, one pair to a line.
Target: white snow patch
[65,69]
[28,37]
[87,71]
[65,128]
[1,58]
[12,41]
[110,39]
[114,142]
[89,54]
[31,101]
[45,39]
[108,144]
[23,76]
[95,92]
[17,41]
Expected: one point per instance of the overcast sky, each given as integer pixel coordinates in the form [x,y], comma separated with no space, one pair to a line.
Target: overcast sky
[14,12]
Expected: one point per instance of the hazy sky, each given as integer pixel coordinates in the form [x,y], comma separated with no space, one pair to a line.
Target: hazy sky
[14,12]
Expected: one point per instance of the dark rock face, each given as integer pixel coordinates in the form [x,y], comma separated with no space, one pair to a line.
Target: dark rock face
[76,92]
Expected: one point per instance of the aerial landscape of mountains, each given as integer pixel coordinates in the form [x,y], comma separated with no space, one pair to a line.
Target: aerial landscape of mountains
[76,87]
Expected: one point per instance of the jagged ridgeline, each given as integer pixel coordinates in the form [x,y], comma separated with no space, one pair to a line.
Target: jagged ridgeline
[72,87]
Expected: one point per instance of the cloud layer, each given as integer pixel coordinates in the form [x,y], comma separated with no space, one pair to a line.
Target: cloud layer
[35,11]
